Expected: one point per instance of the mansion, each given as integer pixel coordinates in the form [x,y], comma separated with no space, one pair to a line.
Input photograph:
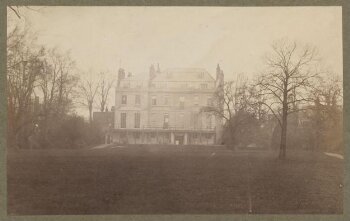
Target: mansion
[165,107]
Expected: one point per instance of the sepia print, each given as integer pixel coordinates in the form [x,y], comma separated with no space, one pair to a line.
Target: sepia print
[174,110]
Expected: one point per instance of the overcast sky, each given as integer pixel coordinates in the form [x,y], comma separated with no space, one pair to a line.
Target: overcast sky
[105,38]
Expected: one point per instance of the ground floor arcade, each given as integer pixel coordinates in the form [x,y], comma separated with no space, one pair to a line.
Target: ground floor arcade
[185,137]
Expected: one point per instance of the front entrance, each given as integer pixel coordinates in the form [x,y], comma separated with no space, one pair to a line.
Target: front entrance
[179,139]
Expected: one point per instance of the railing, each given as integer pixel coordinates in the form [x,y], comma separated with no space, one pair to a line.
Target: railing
[169,128]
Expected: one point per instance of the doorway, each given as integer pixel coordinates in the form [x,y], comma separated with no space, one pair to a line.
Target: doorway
[179,139]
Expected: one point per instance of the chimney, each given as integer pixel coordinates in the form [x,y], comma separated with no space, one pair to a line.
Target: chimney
[158,68]
[218,71]
[219,77]
[121,75]
[152,72]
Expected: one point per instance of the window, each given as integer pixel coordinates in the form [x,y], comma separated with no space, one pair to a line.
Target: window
[182,120]
[195,120]
[153,120]
[124,99]
[123,120]
[201,75]
[208,136]
[168,75]
[209,101]
[162,85]
[166,121]
[138,84]
[209,121]
[154,100]
[137,99]
[204,86]
[166,100]
[137,120]
[196,100]
[182,102]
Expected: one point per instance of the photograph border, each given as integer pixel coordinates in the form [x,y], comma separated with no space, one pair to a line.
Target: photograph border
[233,3]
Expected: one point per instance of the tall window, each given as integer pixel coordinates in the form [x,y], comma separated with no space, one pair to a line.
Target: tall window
[182,102]
[166,100]
[196,100]
[182,120]
[137,99]
[137,120]
[123,120]
[209,101]
[209,121]
[154,100]
[166,121]
[153,120]
[124,99]
[195,123]
[138,84]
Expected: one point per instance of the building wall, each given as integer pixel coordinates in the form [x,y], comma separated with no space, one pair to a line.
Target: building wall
[180,100]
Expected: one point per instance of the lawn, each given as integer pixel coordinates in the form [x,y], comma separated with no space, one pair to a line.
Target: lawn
[172,180]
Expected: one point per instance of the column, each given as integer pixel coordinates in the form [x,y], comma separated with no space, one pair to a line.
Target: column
[185,139]
[172,138]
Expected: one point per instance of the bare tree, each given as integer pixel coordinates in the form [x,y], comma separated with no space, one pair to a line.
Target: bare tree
[106,83]
[55,85]
[88,90]
[16,9]
[57,82]
[24,65]
[326,113]
[289,75]
[233,103]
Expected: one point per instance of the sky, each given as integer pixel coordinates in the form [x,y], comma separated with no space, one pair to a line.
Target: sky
[107,38]
[104,39]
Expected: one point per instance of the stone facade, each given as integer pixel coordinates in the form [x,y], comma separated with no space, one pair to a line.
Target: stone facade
[165,107]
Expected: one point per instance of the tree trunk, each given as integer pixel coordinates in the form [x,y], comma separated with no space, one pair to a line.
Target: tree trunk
[283,144]
[90,114]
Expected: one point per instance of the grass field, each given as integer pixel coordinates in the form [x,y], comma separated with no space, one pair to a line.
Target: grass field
[172,180]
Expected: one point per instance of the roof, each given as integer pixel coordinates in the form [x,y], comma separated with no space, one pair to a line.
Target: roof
[176,74]
[137,77]
[184,74]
